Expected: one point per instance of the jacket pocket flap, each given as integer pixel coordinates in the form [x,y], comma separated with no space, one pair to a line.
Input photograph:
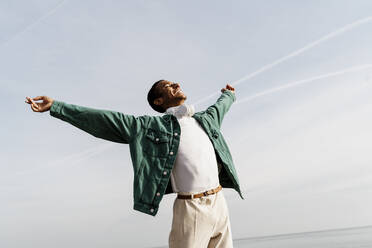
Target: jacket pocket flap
[157,137]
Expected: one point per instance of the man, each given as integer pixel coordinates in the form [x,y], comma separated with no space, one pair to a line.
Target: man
[180,152]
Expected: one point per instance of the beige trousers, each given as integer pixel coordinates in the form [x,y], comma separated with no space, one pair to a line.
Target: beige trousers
[201,223]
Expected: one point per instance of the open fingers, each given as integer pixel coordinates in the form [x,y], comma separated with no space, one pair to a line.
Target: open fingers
[34,108]
[28,100]
[33,105]
[32,101]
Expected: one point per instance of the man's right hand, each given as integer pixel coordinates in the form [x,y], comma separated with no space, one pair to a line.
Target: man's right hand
[44,105]
[228,87]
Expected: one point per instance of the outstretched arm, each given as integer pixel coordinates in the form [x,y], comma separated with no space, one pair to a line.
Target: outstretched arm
[218,110]
[105,124]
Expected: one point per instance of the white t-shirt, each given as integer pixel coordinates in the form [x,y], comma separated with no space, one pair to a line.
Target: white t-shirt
[195,169]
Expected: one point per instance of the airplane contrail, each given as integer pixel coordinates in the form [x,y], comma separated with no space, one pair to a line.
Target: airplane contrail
[49,13]
[295,53]
[339,31]
[304,81]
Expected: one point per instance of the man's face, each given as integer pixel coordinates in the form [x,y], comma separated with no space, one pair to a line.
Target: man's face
[171,93]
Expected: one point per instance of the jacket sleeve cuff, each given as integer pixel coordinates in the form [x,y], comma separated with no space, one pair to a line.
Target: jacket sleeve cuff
[55,109]
[231,94]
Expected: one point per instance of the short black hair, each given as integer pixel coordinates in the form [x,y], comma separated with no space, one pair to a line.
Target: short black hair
[154,94]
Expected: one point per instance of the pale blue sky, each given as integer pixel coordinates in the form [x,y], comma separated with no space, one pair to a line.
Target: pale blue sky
[302,153]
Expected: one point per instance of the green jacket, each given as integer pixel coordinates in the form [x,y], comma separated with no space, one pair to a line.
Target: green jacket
[153,143]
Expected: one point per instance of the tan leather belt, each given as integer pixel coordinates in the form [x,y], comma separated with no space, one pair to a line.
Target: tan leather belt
[206,193]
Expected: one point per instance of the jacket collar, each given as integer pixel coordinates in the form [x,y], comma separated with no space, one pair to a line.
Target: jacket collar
[180,111]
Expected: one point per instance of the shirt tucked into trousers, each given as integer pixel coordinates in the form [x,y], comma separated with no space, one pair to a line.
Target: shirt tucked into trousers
[201,222]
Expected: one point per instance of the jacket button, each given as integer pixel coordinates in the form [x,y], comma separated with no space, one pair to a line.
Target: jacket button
[171,153]
[175,134]
[157,139]
[152,210]
[158,194]
[164,173]
[215,134]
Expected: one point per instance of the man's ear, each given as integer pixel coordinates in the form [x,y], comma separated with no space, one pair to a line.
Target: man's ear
[159,101]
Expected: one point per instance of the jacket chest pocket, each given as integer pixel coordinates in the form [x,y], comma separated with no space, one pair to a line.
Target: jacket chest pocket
[156,143]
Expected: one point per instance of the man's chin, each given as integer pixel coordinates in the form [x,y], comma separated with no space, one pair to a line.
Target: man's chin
[182,97]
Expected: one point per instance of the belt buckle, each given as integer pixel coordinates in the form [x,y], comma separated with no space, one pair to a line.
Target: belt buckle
[192,196]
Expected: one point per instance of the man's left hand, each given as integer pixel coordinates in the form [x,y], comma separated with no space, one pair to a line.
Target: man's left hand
[228,87]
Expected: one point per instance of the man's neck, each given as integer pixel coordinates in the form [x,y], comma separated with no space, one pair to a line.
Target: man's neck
[181,110]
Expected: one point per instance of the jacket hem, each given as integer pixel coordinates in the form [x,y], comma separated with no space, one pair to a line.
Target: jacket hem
[145,208]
